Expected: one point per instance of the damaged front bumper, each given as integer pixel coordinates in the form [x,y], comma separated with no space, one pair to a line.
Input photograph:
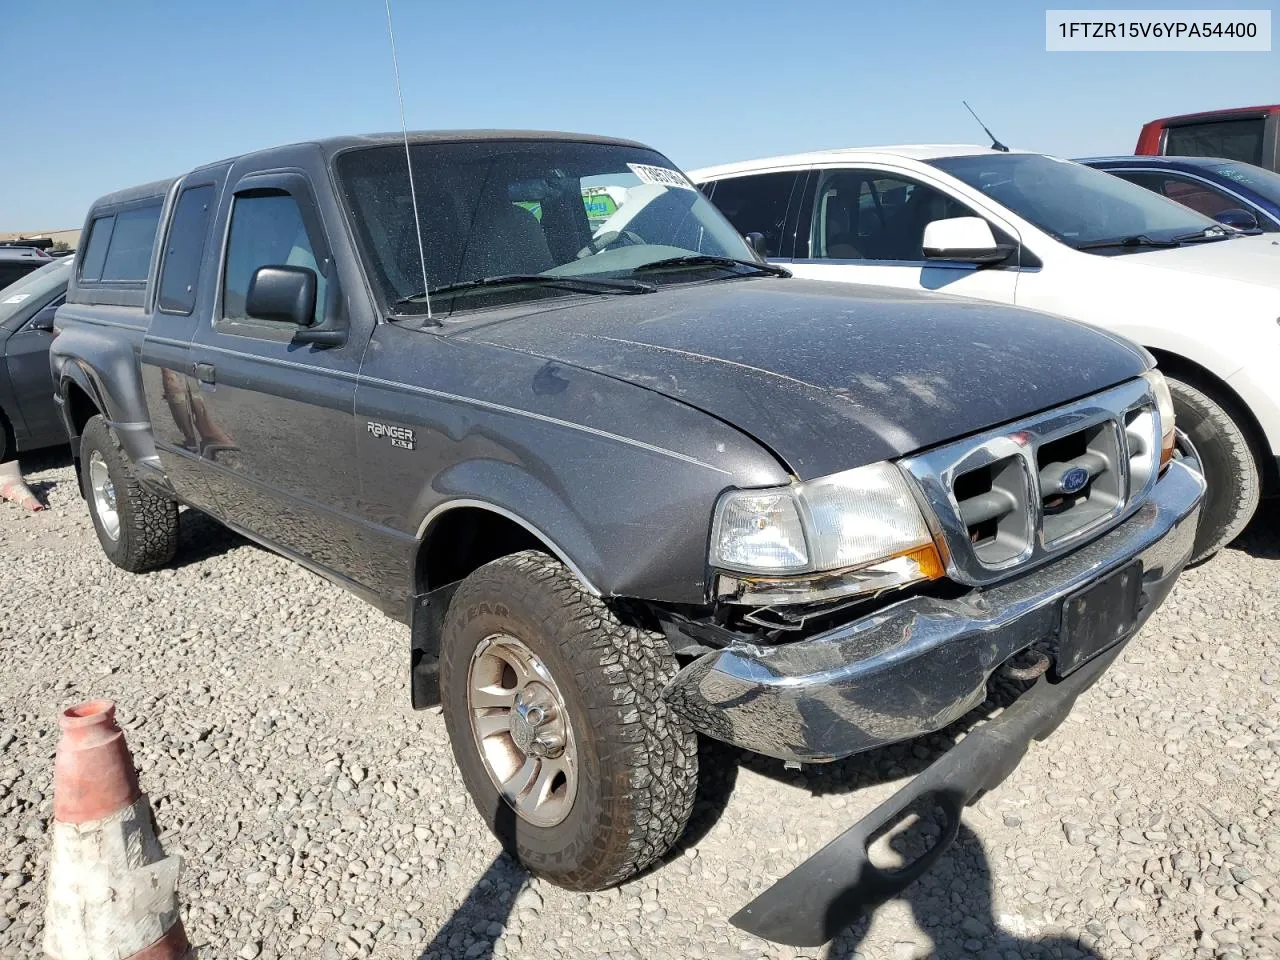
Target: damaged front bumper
[918,665]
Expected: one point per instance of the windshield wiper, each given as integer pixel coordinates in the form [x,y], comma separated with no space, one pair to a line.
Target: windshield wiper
[575,284]
[707,260]
[1200,236]
[1137,240]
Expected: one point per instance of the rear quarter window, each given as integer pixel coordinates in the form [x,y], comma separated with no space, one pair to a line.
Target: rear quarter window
[129,253]
[1230,139]
[119,245]
[95,251]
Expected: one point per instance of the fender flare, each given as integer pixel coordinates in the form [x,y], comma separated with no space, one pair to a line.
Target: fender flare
[76,372]
[457,503]
[504,490]
[510,491]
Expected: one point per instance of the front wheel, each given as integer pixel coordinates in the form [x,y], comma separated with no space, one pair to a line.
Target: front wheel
[554,709]
[1211,436]
[138,530]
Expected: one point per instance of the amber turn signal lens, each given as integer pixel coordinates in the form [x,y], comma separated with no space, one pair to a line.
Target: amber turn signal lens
[928,561]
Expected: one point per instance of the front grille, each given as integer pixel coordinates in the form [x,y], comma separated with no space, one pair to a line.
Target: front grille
[1022,494]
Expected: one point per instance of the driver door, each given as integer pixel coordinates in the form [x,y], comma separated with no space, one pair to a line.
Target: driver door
[868,227]
[278,446]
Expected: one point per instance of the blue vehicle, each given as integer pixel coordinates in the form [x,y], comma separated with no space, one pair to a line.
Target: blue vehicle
[1230,191]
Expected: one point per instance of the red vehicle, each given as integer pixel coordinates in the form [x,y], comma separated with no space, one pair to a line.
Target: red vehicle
[1248,134]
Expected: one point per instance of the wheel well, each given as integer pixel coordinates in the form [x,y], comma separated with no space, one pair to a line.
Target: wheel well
[466,538]
[1183,369]
[80,407]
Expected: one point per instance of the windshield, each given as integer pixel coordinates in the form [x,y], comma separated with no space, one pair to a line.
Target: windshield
[526,208]
[38,286]
[1259,180]
[1074,203]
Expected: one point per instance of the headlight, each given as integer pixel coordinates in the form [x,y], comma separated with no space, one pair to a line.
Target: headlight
[853,532]
[1164,407]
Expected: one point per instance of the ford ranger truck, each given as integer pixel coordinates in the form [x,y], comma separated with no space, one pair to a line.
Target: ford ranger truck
[627,484]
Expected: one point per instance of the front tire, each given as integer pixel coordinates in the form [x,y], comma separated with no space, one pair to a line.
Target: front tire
[555,712]
[1227,461]
[138,530]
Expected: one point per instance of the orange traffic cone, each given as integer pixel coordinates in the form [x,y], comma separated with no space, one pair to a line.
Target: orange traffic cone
[112,891]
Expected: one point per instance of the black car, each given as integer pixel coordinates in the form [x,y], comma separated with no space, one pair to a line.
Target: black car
[18,261]
[626,483]
[28,414]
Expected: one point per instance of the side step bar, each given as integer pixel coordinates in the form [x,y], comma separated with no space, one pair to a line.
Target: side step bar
[835,886]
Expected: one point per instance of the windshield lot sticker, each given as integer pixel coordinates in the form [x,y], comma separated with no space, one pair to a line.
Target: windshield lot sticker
[663,176]
[401,437]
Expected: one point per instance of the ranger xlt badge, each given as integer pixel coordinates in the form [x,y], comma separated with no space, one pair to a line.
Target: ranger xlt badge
[400,436]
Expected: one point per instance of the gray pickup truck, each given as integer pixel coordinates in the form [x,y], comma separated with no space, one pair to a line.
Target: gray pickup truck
[627,484]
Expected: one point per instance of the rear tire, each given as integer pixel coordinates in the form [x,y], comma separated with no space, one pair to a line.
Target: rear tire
[625,792]
[138,530]
[1227,461]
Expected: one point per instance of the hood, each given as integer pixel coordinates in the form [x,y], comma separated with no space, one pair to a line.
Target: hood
[1253,260]
[828,376]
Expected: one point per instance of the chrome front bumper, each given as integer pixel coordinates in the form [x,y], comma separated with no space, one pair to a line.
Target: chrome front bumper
[916,666]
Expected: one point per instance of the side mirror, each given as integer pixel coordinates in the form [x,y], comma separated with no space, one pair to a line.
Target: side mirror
[283,294]
[963,240]
[1237,217]
[288,295]
[43,320]
[756,241]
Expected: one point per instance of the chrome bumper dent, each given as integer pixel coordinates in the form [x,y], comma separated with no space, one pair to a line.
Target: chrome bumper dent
[920,664]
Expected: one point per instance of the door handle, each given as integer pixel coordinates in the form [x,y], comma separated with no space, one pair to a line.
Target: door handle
[205,373]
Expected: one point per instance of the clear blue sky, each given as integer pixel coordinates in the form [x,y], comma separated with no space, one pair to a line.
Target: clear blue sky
[141,89]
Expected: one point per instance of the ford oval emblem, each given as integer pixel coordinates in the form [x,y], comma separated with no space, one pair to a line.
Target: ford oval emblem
[1074,480]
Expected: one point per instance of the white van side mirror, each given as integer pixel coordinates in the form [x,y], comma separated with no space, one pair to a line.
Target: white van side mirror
[963,240]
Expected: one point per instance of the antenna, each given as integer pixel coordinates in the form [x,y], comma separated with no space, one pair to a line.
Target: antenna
[408,159]
[995,144]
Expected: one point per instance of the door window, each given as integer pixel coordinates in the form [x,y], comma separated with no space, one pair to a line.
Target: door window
[1229,139]
[866,215]
[267,230]
[184,248]
[758,204]
[1190,193]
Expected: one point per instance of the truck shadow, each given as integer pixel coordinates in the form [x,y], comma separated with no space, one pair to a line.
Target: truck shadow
[200,538]
[38,461]
[490,901]
[956,911]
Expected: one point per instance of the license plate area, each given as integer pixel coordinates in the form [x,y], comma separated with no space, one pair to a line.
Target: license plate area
[1098,617]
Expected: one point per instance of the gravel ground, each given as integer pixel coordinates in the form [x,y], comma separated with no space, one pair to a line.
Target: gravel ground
[319,816]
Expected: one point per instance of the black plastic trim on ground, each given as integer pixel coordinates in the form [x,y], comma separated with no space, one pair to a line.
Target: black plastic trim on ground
[835,886]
